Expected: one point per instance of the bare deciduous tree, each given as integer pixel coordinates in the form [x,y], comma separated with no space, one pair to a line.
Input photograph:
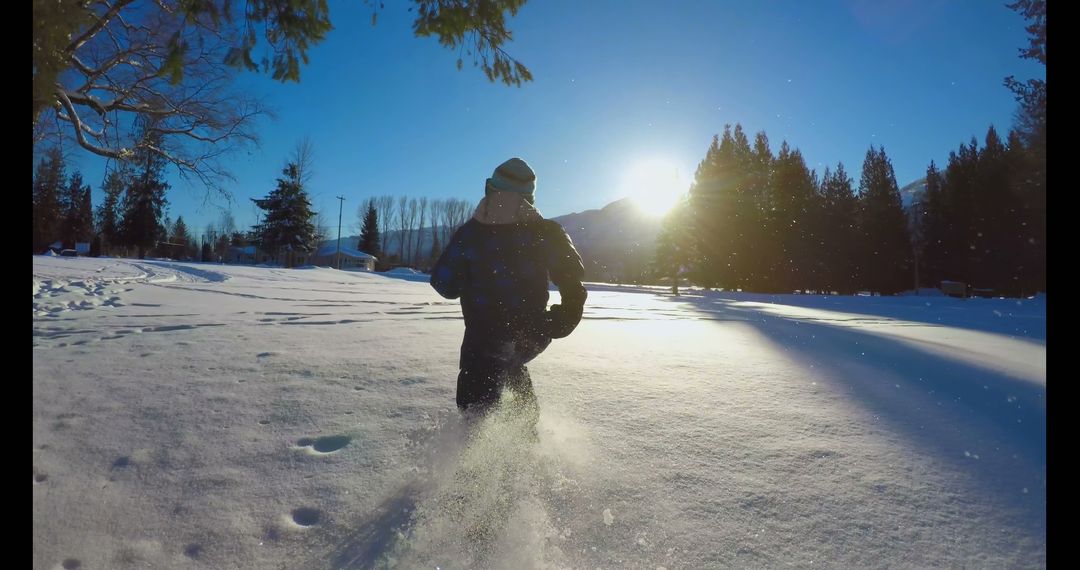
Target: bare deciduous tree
[423,206]
[403,220]
[384,206]
[437,207]
[457,213]
[303,156]
[322,228]
[447,220]
[413,210]
[103,67]
[160,66]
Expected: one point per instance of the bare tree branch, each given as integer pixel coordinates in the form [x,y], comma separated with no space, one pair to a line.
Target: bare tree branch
[122,72]
[80,129]
[122,64]
[304,158]
[93,30]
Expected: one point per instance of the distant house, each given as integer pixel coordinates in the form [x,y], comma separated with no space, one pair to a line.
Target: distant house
[350,258]
[240,255]
[955,289]
[170,250]
[58,248]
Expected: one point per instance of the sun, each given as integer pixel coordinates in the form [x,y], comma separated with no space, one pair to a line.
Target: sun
[654,186]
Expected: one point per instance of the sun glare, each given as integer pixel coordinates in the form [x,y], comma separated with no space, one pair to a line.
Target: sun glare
[654,186]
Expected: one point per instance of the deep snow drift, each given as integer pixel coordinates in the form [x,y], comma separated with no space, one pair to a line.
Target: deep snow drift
[197,415]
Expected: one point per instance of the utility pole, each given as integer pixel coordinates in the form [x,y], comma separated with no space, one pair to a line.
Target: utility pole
[258,235]
[341,204]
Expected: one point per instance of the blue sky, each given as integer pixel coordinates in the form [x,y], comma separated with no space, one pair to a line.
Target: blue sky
[620,83]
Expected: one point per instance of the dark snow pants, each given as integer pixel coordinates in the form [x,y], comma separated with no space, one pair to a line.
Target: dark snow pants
[479,387]
[490,364]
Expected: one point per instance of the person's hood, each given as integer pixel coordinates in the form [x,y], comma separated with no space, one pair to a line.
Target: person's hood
[498,208]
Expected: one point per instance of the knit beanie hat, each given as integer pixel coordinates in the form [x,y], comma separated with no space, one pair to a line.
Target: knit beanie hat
[514,175]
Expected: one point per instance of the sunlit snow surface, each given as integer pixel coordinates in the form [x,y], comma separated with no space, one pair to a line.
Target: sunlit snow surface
[206,416]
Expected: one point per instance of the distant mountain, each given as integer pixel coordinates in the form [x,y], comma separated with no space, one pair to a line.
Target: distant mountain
[616,242]
[909,194]
[912,191]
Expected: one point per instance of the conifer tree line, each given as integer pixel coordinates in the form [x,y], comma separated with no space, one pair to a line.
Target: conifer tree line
[755,220]
[132,220]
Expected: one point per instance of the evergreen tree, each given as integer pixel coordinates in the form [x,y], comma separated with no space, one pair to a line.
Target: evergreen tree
[1029,183]
[48,182]
[674,245]
[809,256]
[108,214]
[757,254]
[369,232]
[789,217]
[85,219]
[995,257]
[709,193]
[725,213]
[76,213]
[224,241]
[181,235]
[144,203]
[164,234]
[69,209]
[287,226]
[178,231]
[959,198]
[884,230]
[1029,191]
[839,230]
[933,230]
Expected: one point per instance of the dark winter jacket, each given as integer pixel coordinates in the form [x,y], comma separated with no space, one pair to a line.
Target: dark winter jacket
[499,263]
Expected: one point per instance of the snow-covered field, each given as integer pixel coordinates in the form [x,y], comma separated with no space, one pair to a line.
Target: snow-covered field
[206,416]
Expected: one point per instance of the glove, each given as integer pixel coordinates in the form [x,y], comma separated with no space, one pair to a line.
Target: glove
[561,321]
